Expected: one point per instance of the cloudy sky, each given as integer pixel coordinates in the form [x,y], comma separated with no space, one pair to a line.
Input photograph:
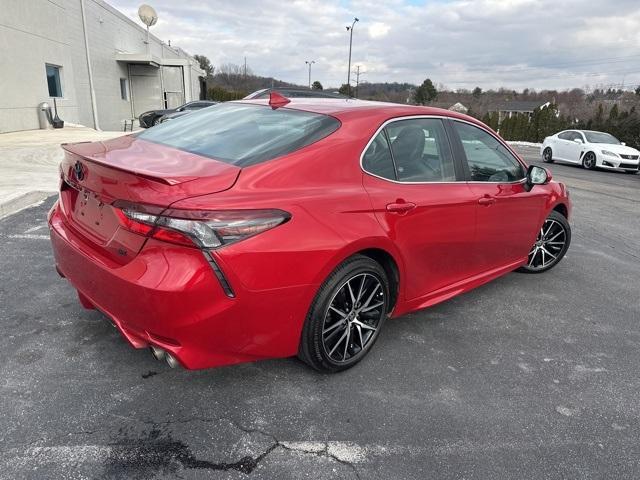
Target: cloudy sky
[458,43]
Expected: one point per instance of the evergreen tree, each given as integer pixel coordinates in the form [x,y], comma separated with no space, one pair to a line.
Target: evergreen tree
[205,64]
[425,92]
[598,119]
[491,119]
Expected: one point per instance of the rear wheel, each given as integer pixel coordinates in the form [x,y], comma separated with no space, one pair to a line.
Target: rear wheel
[547,155]
[346,315]
[589,160]
[551,244]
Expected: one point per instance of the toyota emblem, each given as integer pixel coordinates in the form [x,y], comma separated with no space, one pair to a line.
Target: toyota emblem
[78,168]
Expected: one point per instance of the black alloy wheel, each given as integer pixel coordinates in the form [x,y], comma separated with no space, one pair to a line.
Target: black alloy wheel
[551,244]
[346,316]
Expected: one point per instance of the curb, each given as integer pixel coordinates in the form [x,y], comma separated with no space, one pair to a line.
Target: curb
[25,200]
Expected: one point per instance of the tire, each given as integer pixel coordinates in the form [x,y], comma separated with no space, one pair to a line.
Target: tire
[325,343]
[547,155]
[589,160]
[553,240]
[632,172]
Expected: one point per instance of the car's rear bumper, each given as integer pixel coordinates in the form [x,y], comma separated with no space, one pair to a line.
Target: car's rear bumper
[169,296]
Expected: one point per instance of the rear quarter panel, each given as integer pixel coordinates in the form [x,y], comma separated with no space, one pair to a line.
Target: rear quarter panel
[331,214]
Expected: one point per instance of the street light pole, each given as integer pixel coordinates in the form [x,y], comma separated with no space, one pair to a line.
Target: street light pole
[309,63]
[350,30]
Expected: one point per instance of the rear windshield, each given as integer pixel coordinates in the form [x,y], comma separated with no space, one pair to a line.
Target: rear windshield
[242,134]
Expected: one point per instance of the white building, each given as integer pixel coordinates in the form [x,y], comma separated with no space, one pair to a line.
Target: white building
[458,107]
[515,107]
[93,59]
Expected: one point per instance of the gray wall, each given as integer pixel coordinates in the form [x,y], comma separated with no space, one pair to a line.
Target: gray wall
[33,33]
[36,32]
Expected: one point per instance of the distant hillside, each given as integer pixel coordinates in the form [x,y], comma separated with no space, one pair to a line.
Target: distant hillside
[232,78]
[384,92]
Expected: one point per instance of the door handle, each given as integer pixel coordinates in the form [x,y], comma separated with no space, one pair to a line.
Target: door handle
[486,201]
[400,208]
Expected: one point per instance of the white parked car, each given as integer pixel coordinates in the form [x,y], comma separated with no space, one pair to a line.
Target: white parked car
[590,149]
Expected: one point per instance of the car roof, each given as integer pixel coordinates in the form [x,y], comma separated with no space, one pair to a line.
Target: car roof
[341,108]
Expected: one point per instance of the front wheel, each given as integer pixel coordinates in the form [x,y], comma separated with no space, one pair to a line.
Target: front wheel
[551,244]
[547,155]
[589,161]
[346,315]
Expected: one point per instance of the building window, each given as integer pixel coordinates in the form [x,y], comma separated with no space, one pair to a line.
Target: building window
[53,81]
[124,89]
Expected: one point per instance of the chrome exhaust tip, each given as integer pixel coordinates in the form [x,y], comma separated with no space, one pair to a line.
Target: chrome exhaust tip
[171,360]
[157,353]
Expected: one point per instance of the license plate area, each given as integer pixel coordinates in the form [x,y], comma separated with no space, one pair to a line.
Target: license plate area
[92,216]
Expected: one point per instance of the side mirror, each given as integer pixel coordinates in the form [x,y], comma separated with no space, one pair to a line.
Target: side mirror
[537,176]
[623,143]
[578,140]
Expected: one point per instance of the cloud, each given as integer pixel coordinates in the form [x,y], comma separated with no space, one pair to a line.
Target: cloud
[459,43]
[378,30]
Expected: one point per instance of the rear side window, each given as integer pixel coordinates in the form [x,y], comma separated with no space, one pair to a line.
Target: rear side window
[242,134]
[565,135]
[411,150]
[421,150]
[377,159]
[488,159]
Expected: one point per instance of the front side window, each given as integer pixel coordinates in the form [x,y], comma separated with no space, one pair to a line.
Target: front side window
[421,150]
[576,136]
[53,81]
[243,134]
[488,159]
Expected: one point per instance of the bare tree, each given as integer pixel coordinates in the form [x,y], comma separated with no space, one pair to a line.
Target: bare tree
[232,76]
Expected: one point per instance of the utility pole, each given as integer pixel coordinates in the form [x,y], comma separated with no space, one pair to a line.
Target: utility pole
[357,78]
[350,30]
[244,74]
[309,63]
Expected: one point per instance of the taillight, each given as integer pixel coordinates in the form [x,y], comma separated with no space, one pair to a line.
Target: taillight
[204,228]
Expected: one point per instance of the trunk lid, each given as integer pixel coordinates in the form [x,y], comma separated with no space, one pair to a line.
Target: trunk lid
[127,169]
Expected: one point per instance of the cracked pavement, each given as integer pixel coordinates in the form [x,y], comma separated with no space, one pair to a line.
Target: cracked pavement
[530,376]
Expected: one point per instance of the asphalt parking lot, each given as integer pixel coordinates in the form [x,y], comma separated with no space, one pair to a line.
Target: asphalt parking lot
[530,376]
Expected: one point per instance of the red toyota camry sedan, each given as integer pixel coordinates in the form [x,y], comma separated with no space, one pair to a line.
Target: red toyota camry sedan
[271,228]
